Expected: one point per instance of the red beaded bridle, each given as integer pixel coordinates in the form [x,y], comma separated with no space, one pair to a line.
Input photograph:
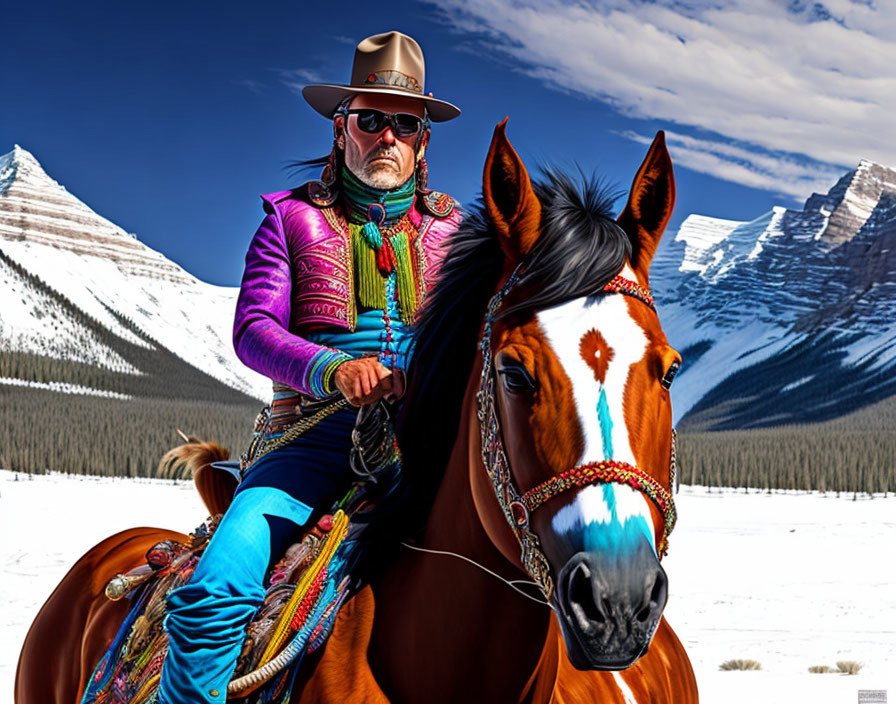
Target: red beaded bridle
[517,507]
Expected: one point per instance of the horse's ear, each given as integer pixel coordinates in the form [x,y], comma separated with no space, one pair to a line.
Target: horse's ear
[649,204]
[510,201]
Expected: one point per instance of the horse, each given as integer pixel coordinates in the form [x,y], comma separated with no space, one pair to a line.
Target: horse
[537,436]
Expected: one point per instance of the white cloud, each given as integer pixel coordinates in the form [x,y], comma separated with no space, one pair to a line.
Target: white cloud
[298,78]
[254,86]
[748,166]
[804,88]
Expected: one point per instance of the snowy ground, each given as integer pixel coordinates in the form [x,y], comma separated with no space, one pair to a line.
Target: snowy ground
[790,580]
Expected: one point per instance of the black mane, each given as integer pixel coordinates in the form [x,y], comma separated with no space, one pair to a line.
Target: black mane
[579,250]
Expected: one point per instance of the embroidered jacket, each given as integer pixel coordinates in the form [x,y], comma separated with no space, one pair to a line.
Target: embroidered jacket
[299,277]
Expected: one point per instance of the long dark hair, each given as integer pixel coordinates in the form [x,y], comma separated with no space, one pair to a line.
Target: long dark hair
[302,168]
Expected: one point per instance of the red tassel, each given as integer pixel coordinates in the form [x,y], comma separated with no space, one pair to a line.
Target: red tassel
[385,257]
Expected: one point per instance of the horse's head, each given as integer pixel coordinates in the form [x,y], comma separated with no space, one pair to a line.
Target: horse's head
[574,411]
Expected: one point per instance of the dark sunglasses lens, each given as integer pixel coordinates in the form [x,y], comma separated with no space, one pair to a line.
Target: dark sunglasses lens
[371,120]
[403,124]
[406,125]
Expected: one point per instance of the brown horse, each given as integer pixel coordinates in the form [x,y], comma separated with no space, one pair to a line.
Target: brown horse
[580,381]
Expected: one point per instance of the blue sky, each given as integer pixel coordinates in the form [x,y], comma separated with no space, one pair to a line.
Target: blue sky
[170,118]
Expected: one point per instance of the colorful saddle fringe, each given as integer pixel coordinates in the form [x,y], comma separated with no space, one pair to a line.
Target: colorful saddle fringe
[305,590]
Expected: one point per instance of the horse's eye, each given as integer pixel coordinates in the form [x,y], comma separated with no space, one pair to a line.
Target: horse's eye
[669,376]
[516,379]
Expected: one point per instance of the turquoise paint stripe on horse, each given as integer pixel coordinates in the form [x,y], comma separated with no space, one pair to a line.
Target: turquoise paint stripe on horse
[606,424]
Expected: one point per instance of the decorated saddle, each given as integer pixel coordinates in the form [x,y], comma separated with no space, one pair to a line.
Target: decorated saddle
[304,590]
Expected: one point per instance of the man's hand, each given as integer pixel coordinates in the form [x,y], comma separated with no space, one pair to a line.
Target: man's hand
[363,381]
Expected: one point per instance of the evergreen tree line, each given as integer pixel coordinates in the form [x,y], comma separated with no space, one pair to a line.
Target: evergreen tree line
[43,430]
[163,375]
[818,457]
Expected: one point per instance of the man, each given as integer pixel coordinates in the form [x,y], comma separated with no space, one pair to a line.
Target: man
[334,275]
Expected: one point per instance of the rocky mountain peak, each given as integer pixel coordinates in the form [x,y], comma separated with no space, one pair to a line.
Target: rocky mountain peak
[23,157]
[19,166]
[27,191]
[851,201]
[62,263]
[791,297]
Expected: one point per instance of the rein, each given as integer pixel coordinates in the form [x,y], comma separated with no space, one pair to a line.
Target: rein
[517,506]
[512,583]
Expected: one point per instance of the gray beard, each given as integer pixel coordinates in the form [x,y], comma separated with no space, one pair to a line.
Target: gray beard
[375,177]
[380,179]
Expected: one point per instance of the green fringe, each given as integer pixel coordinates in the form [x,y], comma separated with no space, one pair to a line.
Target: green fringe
[370,282]
[407,291]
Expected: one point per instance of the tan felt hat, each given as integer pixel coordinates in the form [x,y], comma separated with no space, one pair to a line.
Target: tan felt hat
[390,63]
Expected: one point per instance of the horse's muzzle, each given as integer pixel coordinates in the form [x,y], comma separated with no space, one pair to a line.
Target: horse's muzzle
[610,606]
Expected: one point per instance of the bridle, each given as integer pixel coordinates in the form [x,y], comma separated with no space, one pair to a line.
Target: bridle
[517,507]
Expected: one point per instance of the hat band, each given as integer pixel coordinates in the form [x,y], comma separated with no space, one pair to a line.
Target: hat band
[395,79]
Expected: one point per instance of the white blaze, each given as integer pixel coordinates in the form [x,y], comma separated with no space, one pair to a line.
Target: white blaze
[564,327]
[589,508]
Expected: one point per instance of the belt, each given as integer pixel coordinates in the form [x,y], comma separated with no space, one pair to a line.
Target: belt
[289,414]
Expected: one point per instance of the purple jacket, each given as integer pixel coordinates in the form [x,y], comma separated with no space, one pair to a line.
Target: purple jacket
[298,278]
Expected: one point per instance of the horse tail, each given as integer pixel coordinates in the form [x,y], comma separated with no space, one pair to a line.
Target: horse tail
[183,461]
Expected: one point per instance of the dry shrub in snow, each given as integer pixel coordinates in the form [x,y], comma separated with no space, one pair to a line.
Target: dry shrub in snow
[818,669]
[740,665]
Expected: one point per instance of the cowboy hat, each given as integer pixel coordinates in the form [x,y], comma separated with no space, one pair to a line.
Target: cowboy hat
[390,63]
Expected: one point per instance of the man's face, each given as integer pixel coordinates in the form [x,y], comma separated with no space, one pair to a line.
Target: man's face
[380,160]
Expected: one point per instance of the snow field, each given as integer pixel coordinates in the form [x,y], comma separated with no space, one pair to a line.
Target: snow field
[789,579]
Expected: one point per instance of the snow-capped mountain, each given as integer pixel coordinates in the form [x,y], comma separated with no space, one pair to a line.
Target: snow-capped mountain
[61,261]
[786,318]
[789,317]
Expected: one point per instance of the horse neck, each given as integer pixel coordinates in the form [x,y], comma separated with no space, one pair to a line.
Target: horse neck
[457,603]
[454,523]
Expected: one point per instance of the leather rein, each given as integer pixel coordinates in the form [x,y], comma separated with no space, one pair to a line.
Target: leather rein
[516,506]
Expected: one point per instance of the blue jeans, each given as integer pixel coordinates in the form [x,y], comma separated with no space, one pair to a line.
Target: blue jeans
[206,618]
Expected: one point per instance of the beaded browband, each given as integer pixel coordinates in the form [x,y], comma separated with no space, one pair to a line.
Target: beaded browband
[627,287]
[516,506]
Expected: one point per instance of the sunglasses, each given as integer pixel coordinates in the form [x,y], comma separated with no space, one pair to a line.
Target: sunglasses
[372,121]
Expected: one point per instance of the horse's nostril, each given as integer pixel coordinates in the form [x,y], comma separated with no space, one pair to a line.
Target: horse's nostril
[656,598]
[659,588]
[582,598]
[602,597]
